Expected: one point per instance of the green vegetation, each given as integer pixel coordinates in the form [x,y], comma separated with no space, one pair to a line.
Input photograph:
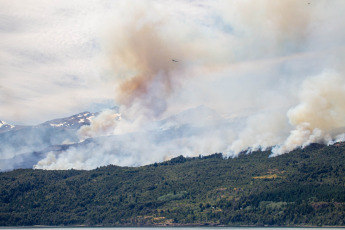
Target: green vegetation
[304,187]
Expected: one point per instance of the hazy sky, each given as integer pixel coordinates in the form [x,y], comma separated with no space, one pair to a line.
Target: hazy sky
[55,55]
[279,65]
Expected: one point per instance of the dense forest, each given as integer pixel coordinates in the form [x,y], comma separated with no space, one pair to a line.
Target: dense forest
[305,187]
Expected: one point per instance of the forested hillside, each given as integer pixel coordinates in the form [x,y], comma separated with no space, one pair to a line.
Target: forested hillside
[304,187]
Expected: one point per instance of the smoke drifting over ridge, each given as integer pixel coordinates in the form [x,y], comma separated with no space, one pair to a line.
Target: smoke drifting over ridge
[319,114]
[151,57]
[271,70]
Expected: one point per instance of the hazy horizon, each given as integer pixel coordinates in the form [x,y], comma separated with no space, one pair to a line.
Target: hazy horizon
[277,66]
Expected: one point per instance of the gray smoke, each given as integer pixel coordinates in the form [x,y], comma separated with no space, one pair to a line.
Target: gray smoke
[271,71]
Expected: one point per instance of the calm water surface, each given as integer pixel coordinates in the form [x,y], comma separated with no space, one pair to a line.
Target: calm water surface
[174,228]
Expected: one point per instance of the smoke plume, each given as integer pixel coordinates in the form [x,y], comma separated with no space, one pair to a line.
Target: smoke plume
[319,114]
[152,56]
[101,125]
[271,71]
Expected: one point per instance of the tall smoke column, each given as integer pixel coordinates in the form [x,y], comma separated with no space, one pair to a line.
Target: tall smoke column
[268,48]
[143,72]
[320,113]
[147,56]
[150,57]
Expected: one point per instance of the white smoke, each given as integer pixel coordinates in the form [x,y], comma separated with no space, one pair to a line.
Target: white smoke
[101,125]
[272,71]
[320,112]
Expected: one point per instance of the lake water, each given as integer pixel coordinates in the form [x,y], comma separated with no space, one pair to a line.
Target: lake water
[172,228]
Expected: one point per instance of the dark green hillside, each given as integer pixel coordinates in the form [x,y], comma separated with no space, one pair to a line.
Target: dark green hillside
[304,187]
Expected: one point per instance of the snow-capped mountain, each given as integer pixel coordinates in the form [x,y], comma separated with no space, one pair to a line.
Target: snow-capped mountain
[24,147]
[4,127]
[72,122]
[24,142]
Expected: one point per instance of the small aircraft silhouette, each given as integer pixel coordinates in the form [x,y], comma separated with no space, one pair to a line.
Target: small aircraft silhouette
[174,60]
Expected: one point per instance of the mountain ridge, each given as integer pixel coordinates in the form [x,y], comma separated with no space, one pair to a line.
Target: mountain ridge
[20,143]
[25,146]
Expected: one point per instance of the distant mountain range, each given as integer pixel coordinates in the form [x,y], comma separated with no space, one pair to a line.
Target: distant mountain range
[72,122]
[24,146]
[4,127]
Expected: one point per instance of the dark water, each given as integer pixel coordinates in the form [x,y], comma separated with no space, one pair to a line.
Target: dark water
[175,228]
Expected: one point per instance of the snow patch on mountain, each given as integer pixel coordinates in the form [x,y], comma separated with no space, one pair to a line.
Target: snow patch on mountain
[73,122]
[4,127]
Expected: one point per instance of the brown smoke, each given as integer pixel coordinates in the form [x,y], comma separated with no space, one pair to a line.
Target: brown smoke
[147,54]
[280,94]
[152,53]
[290,19]
[269,27]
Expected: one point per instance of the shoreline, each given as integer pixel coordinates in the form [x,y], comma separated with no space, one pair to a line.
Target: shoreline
[172,226]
